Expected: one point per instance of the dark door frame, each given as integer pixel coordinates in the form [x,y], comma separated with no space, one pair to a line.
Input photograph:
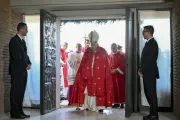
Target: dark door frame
[132,48]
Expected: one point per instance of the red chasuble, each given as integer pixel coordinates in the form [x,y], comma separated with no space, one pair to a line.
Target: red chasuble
[117,61]
[94,73]
[83,50]
[65,69]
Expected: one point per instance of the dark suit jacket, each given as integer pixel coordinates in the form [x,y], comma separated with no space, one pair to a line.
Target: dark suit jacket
[19,59]
[149,58]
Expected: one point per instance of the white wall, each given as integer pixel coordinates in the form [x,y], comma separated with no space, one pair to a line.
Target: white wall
[75,2]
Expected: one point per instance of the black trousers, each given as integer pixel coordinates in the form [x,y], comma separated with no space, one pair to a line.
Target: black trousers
[18,87]
[149,81]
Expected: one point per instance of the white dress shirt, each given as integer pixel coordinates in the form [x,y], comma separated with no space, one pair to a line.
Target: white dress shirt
[20,36]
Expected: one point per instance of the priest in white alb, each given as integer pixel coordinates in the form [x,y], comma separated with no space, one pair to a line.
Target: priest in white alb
[73,61]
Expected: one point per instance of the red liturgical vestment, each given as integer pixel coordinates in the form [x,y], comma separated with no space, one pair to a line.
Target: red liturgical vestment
[65,69]
[117,62]
[94,76]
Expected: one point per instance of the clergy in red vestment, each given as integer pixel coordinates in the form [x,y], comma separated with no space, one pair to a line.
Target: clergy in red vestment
[87,44]
[64,64]
[120,49]
[93,85]
[117,63]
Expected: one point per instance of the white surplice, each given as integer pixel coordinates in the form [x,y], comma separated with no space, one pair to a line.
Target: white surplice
[73,61]
[63,91]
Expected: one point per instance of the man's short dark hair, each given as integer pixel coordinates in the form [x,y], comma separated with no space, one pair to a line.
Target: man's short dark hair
[114,44]
[149,28]
[119,47]
[21,25]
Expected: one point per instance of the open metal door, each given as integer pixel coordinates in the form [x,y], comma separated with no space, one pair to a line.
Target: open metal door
[48,44]
[131,62]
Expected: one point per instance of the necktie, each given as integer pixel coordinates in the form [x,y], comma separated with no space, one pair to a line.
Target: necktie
[146,43]
[24,45]
[23,41]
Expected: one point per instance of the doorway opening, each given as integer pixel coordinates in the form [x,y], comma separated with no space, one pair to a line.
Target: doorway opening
[110,31]
[32,93]
[76,31]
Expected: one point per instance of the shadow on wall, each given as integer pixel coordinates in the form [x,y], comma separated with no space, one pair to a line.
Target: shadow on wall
[6,78]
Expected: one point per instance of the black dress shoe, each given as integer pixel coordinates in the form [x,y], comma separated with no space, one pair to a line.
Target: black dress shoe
[87,109]
[122,106]
[78,108]
[116,106]
[153,118]
[17,117]
[26,116]
[149,117]
[145,117]
[100,111]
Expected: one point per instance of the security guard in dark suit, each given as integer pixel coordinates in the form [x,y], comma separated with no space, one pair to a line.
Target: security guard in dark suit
[18,66]
[149,71]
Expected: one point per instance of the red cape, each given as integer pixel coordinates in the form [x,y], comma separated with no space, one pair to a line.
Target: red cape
[98,81]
